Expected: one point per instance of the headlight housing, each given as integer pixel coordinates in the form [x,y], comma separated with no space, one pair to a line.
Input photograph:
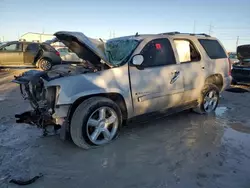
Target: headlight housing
[52,96]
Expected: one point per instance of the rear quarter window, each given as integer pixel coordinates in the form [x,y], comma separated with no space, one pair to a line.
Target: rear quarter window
[213,48]
[33,47]
[48,48]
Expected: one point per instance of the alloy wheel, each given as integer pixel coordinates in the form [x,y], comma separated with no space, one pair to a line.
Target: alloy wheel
[210,101]
[102,125]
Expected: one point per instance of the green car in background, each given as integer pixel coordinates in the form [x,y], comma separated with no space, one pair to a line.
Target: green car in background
[28,54]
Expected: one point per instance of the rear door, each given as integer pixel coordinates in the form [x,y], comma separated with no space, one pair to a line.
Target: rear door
[192,67]
[12,54]
[30,52]
[158,83]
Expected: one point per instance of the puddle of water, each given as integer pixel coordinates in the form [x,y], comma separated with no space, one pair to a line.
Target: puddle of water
[221,110]
[2,98]
[237,126]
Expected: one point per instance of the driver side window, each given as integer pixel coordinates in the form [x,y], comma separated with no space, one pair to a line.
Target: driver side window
[12,47]
[158,52]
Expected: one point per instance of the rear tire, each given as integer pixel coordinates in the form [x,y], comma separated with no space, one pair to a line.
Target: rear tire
[208,100]
[45,64]
[86,114]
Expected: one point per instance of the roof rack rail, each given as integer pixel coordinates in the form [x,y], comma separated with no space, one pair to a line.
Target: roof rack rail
[170,33]
[192,34]
[206,35]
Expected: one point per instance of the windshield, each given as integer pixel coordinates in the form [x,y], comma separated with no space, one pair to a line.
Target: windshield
[118,51]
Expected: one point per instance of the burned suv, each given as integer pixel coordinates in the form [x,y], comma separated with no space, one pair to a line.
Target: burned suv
[132,76]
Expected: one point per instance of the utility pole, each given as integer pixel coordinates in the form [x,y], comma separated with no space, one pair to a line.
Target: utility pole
[194,27]
[110,35]
[210,29]
[237,41]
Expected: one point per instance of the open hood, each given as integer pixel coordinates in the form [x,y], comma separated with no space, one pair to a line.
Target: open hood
[86,48]
[243,52]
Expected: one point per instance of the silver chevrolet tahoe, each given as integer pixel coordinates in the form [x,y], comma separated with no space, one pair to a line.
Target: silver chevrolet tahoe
[124,78]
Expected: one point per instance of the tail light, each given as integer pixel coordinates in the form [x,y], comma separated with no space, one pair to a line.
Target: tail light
[57,53]
[229,67]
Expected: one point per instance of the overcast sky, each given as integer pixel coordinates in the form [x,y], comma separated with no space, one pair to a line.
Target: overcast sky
[224,19]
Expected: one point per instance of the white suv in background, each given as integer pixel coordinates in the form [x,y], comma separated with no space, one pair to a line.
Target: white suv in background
[67,55]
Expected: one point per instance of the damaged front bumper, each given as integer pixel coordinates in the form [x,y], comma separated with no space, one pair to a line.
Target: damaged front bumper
[43,119]
[45,112]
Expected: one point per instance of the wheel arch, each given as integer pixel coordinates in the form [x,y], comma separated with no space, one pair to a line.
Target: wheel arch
[215,79]
[116,97]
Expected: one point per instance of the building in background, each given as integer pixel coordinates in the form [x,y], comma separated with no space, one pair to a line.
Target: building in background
[39,37]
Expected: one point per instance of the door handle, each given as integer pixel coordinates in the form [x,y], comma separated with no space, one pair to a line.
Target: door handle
[176,75]
[175,72]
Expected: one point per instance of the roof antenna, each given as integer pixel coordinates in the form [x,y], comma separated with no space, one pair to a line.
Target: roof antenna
[136,34]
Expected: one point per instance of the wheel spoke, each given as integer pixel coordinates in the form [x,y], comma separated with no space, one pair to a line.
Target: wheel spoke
[211,94]
[106,134]
[214,98]
[102,125]
[206,104]
[93,122]
[95,134]
[206,99]
[111,119]
[102,114]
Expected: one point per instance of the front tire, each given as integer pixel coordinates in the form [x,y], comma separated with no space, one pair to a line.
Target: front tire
[45,64]
[208,100]
[95,122]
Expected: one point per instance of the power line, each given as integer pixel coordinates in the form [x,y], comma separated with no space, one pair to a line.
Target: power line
[229,28]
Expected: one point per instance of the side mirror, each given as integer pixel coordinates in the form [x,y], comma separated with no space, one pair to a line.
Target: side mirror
[137,60]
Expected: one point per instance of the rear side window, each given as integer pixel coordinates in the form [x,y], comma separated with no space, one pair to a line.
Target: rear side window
[33,47]
[186,50]
[48,48]
[213,48]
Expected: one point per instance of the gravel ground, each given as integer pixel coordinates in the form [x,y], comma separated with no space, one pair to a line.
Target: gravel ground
[181,150]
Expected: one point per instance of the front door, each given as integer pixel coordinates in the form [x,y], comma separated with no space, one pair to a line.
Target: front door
[158,83]
[11,54]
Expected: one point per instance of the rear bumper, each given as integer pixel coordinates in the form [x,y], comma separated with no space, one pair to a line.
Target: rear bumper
[226,82]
